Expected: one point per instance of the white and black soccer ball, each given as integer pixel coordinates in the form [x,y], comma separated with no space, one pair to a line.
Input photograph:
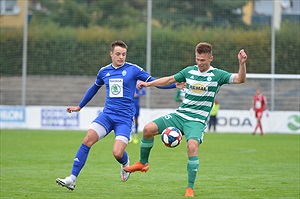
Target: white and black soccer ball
[171,137]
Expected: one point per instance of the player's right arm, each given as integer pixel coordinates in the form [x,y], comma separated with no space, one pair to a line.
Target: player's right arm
[241,76]
[164,81]
[90,93]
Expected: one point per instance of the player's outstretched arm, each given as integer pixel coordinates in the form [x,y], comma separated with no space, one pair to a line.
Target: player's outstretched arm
[241,76]
[164,81]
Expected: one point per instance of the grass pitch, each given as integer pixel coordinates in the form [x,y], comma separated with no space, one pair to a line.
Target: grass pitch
[231,166]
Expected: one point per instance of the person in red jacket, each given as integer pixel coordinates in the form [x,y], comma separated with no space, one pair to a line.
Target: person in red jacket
[259,105]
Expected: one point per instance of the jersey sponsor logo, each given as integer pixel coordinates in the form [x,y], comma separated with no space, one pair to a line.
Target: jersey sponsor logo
[198,88]
[115,89]
[115,80]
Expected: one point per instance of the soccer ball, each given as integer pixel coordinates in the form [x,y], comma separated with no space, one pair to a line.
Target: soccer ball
[171,137]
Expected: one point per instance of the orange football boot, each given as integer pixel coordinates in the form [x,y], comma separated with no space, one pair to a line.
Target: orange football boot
[138,166]
[189,192]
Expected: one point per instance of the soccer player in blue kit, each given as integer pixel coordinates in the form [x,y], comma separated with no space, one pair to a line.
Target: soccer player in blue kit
[120,79]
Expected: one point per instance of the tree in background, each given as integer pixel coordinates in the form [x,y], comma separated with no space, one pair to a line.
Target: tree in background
[78,13]
[173,13]
[198,12]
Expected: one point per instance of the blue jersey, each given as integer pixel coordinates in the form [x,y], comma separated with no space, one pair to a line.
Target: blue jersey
[120,88]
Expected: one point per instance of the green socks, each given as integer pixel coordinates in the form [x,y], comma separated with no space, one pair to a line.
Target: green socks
[192,169]
[146,146]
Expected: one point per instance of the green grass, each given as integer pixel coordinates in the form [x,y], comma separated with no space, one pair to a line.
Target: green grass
[231,166]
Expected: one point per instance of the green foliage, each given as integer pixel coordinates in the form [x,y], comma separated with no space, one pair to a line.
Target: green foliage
[205,13]
[11,51]
[235,166]
[121,14]
[287,47]
[90,12]
[53,50]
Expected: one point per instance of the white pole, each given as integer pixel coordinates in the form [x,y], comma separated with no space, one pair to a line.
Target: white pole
[148,54]
[274,26]
[24,60]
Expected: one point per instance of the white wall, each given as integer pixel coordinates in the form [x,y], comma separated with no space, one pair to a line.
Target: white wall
[49,117]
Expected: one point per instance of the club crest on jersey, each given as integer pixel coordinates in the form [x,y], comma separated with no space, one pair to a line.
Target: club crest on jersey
[124,72]
[209,78]
[198,88]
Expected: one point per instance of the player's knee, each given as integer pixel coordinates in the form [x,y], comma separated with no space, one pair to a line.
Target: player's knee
[88,141]
[192,147]
[90,138]
[117,154]
[150,130]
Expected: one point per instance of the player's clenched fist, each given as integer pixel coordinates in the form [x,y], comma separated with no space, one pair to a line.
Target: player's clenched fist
[242,56]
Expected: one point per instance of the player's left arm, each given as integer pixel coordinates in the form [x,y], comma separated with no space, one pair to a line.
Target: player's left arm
[241,76]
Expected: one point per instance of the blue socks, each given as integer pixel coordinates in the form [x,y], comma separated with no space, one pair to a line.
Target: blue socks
[81,156]
[80,159]
[123,159]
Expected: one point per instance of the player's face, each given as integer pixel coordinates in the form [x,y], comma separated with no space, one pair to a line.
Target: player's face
[203,61]
[258,91]
[118,56]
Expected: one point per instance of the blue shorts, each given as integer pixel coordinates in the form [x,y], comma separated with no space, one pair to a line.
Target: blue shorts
[122,125]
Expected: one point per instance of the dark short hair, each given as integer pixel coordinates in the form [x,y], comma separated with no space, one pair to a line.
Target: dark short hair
[203,47]
[118,43]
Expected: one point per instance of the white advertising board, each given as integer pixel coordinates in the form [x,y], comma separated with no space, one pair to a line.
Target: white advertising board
[56,117]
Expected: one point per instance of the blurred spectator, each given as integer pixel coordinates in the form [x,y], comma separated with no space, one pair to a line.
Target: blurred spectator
[179,95]
[213,120]
[134,134]
[259,105]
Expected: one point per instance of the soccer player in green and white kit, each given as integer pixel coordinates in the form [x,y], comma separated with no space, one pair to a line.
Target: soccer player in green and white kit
[202,84]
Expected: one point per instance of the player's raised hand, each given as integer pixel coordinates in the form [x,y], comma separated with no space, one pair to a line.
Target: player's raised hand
[242,56]
[71,109]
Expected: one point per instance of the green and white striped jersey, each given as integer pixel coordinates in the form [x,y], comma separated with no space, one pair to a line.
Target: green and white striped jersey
[200,92]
